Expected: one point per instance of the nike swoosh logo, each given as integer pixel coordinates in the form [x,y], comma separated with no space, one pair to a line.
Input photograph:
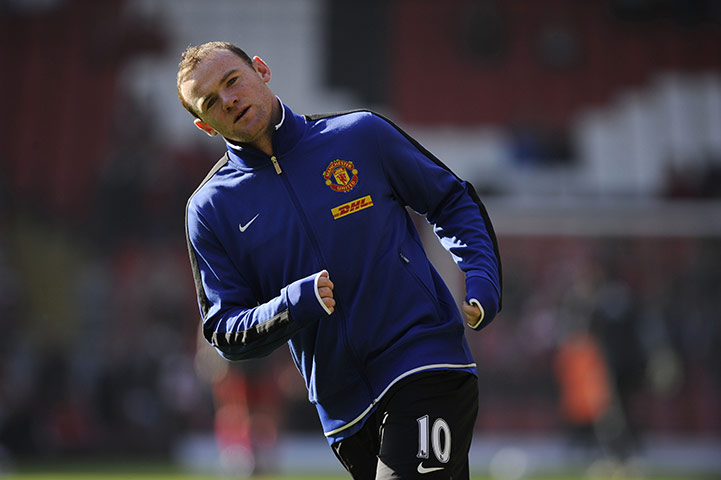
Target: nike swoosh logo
[243,228]
[422,470]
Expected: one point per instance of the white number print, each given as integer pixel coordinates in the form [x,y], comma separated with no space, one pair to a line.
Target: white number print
[439,436]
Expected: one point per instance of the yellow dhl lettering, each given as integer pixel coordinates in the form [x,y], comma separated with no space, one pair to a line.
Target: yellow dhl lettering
[351,207]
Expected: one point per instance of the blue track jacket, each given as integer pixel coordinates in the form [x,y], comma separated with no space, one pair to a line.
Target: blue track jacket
[260,230]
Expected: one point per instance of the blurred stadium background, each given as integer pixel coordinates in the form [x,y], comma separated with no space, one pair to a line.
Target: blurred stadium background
[592,130]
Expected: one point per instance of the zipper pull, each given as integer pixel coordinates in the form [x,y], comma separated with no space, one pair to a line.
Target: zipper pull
[276,165]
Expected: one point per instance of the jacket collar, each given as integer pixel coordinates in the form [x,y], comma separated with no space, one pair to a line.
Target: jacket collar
[287,134]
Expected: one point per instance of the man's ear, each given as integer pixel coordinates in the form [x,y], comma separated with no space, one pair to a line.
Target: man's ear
[262,68]
[205,127]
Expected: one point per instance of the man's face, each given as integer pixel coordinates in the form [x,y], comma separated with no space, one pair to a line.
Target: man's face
[231,97]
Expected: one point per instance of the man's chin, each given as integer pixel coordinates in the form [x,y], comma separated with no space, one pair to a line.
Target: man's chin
[234,141]
[235,137]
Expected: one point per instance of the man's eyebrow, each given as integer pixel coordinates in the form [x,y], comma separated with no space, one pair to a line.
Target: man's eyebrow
[227,74]
[220,82]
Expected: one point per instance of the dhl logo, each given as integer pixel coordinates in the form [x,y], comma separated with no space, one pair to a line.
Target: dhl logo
[351,207]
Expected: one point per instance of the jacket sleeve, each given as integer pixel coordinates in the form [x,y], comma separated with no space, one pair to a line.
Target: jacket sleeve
[451,206]
[233,321]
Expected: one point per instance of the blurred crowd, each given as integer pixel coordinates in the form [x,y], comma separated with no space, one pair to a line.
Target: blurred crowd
[605,339]
[635,316]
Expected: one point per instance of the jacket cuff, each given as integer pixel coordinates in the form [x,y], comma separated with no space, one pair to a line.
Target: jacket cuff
[483,293]
[303,301]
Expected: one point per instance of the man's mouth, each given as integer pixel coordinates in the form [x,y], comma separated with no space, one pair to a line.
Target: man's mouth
[242,112]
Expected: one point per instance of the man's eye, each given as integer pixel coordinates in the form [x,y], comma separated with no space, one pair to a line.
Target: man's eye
[231,81]
[210,103]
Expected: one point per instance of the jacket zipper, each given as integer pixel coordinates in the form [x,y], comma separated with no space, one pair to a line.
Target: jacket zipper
[316,247]
[276,165]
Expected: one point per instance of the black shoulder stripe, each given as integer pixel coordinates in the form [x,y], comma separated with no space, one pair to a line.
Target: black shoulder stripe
[202,297]
[321,116]
[219,164]
[471,190]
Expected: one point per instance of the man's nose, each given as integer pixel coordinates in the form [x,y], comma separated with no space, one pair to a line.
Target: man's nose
[229,99]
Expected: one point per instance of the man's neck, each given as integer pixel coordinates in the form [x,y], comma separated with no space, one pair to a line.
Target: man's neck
[265,143]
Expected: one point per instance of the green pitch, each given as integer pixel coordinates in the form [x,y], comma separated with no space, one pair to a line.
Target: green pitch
[110,475]
[135,471]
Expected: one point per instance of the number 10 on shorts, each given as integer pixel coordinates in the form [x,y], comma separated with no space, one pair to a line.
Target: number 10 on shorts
[439,437]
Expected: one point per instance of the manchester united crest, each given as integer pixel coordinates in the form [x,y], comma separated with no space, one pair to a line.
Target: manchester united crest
[341,175]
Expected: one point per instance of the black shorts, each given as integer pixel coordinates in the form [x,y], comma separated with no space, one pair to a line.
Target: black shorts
[422,428]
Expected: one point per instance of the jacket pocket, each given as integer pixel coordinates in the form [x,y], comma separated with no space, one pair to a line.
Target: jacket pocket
[410,267]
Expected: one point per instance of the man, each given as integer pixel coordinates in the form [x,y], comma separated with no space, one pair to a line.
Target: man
[300,234]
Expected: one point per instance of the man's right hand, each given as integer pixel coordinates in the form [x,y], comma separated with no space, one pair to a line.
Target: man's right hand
[325,291]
